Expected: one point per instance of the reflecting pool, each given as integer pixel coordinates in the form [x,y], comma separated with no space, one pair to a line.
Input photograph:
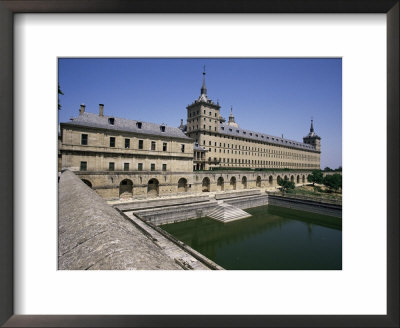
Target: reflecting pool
[274,238]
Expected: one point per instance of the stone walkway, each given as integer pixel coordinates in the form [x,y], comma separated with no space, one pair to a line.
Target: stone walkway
[181,257]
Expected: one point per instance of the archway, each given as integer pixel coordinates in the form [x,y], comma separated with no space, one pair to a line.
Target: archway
[125,188]
[220,183]
[298,179]
[244,182]
[285,177]
[258,182]
[153,187]
[233,183]
[205,186]
[303,179]
[271,180]
[87,182]
[278,179]
[182,185]
[292,178]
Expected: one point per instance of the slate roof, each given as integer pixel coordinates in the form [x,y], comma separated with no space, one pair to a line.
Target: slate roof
[122,124]
[242,133]
[198,148]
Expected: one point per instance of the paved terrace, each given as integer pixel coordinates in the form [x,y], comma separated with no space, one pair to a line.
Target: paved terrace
[93,235]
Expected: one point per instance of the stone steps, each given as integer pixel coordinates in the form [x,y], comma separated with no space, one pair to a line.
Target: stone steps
[227,213]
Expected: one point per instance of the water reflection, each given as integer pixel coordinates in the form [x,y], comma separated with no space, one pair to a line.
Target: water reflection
[273,238]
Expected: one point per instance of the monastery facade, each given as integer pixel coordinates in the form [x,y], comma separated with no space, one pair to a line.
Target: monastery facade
[120,157]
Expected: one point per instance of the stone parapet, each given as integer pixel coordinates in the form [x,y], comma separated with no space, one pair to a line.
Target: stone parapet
[93,235]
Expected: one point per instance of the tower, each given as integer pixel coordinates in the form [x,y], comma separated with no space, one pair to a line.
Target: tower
[203,115]
[231,121]
[312,138]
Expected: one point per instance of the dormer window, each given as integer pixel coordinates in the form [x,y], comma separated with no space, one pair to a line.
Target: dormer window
[237,131]
[250,133]
[222,128]
[139,125]
[230,130]
[162,128]
[111,120]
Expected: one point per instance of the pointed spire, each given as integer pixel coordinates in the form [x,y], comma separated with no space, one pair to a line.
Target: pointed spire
[203,87]
[312,126]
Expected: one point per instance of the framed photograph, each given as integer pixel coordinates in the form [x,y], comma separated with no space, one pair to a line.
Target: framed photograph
[262,69]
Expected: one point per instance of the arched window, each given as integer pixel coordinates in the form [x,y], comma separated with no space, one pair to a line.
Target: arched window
[232,183]
[182,185]
[205,185]
[153,188]
[125,188]
[244,182]
[220,183]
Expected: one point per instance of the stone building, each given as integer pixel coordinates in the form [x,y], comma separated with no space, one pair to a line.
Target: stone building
[121,158]
[230,146]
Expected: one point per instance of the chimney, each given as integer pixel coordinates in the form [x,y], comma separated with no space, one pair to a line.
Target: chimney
[82,109]
[181,123]
[101,109]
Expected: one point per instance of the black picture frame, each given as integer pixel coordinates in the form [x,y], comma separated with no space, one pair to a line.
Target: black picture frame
[10,7]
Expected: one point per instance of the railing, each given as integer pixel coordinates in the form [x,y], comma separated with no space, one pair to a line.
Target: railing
[312,198]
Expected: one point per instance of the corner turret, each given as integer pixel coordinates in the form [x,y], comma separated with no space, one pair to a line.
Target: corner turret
[312,138]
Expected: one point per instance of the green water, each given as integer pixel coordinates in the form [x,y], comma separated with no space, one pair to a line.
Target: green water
[274,238]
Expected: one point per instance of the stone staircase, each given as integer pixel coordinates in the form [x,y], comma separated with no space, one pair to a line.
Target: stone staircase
[227,213]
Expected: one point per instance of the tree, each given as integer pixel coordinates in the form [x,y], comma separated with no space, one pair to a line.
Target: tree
[316,176]
[328,169]
[333,182]
[286,184]
[60,93]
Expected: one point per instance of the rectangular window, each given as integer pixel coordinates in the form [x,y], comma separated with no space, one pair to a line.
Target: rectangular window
[111,166]
[153,145]
[153,167]
[112,141]
[127,143]
[164,146]
[126,166]
[140,166]
[83,166]
[164,167]
[84,139]
[182,148]
[140,144]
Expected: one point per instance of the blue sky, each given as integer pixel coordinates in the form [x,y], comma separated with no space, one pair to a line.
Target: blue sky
[274,96]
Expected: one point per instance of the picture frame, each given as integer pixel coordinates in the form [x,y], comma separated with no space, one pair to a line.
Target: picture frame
[7,10]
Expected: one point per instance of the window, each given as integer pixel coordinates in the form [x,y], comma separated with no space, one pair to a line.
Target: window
[83,166]
[112,141]
[164,167]
[139,125]
[164,146]
[182,148]
[140,144]
[153,145]
[111,166]
[162,128]
[84,139]
[111,120]
[140,166]
[209,143]
[126,166]
[152,167]
[127,143]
